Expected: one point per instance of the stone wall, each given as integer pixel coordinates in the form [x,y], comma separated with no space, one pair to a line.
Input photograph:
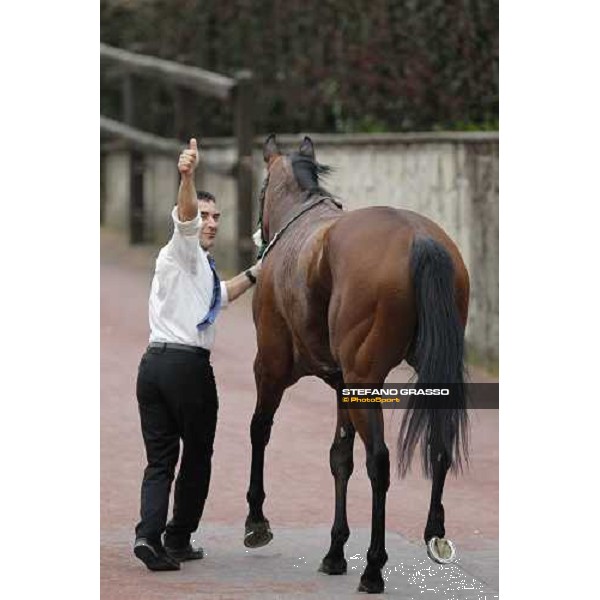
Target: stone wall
[450,177]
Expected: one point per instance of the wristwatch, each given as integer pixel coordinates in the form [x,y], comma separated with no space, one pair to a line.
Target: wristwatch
[248,274]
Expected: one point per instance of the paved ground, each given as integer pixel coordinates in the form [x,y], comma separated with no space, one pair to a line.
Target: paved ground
[298,483]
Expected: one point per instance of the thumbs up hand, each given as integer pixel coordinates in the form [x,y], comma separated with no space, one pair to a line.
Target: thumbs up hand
[189,159]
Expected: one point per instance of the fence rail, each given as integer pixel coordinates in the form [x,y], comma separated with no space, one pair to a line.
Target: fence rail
[148,142]
[204,82]
[238,91]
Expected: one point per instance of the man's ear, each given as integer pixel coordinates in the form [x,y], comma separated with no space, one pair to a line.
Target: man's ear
[270,148]
[307,148]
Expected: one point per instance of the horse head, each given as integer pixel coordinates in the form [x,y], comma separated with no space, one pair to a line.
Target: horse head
[291,179]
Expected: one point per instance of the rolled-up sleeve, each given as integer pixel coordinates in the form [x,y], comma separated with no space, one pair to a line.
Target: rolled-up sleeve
[183,245]
[186,228]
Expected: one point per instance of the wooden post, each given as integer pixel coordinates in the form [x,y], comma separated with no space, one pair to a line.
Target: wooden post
[102,186]
[136,170]
[244,133]
[184,101]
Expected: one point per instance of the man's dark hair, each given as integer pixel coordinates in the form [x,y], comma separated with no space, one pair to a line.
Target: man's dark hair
[205,196]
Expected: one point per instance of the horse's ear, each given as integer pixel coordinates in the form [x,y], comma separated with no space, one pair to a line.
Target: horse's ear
[270,148]
[307,148]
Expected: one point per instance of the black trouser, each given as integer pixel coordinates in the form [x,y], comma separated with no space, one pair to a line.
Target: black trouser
[177,399]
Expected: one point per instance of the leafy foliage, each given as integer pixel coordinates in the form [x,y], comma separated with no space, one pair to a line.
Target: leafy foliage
[319,65]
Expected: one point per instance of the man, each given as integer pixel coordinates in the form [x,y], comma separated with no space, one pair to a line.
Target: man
[176,389]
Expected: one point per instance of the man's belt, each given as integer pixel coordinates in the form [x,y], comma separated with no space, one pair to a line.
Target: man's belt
[157,347]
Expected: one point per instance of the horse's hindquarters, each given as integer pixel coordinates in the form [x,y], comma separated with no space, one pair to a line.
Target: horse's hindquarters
[371,312]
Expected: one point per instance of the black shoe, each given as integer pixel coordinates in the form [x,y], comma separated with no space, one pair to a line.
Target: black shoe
[155,558]
[185,553]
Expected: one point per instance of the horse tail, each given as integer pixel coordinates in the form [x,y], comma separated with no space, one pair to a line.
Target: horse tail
[437,351]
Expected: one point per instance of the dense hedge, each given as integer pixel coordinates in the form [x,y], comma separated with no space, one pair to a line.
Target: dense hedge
[320,65]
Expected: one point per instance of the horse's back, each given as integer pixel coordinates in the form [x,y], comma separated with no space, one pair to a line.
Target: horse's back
[376,226]
[375,244]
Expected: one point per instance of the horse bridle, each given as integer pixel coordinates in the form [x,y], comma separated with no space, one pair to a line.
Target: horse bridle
[263,193]
[305,208]
[265,244]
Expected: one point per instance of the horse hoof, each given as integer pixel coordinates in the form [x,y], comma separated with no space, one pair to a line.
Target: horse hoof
[441,551]
[257,534]
[371,587]
[333,567]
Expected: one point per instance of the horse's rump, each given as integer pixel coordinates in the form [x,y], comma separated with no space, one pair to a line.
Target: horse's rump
[362,241]
[372,311]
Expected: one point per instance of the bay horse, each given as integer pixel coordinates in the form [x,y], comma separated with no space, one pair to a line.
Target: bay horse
[346,296]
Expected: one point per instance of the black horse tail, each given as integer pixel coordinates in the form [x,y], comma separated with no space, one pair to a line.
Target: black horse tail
[439,423]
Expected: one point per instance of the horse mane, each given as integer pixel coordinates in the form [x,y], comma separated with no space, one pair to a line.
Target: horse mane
[307,172]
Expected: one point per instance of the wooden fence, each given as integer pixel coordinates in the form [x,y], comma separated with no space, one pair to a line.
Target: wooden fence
[238,90]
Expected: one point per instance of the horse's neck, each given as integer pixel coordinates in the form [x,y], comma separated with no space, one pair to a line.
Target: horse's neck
[285,210]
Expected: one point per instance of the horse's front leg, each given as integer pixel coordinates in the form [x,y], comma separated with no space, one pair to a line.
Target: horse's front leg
[342,465]
[269,392]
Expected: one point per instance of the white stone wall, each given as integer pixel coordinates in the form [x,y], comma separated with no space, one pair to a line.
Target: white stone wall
[161,181]
[116,190]
[451,178]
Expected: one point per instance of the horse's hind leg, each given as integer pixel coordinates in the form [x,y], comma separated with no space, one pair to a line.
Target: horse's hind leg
[342,465]
[439,549]
[369,424]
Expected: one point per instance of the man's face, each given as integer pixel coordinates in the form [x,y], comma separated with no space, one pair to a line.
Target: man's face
[210,223]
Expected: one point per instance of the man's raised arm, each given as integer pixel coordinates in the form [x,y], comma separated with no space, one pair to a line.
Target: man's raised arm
[187,203]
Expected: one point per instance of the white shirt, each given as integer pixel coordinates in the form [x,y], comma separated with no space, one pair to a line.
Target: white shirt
[182,289]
